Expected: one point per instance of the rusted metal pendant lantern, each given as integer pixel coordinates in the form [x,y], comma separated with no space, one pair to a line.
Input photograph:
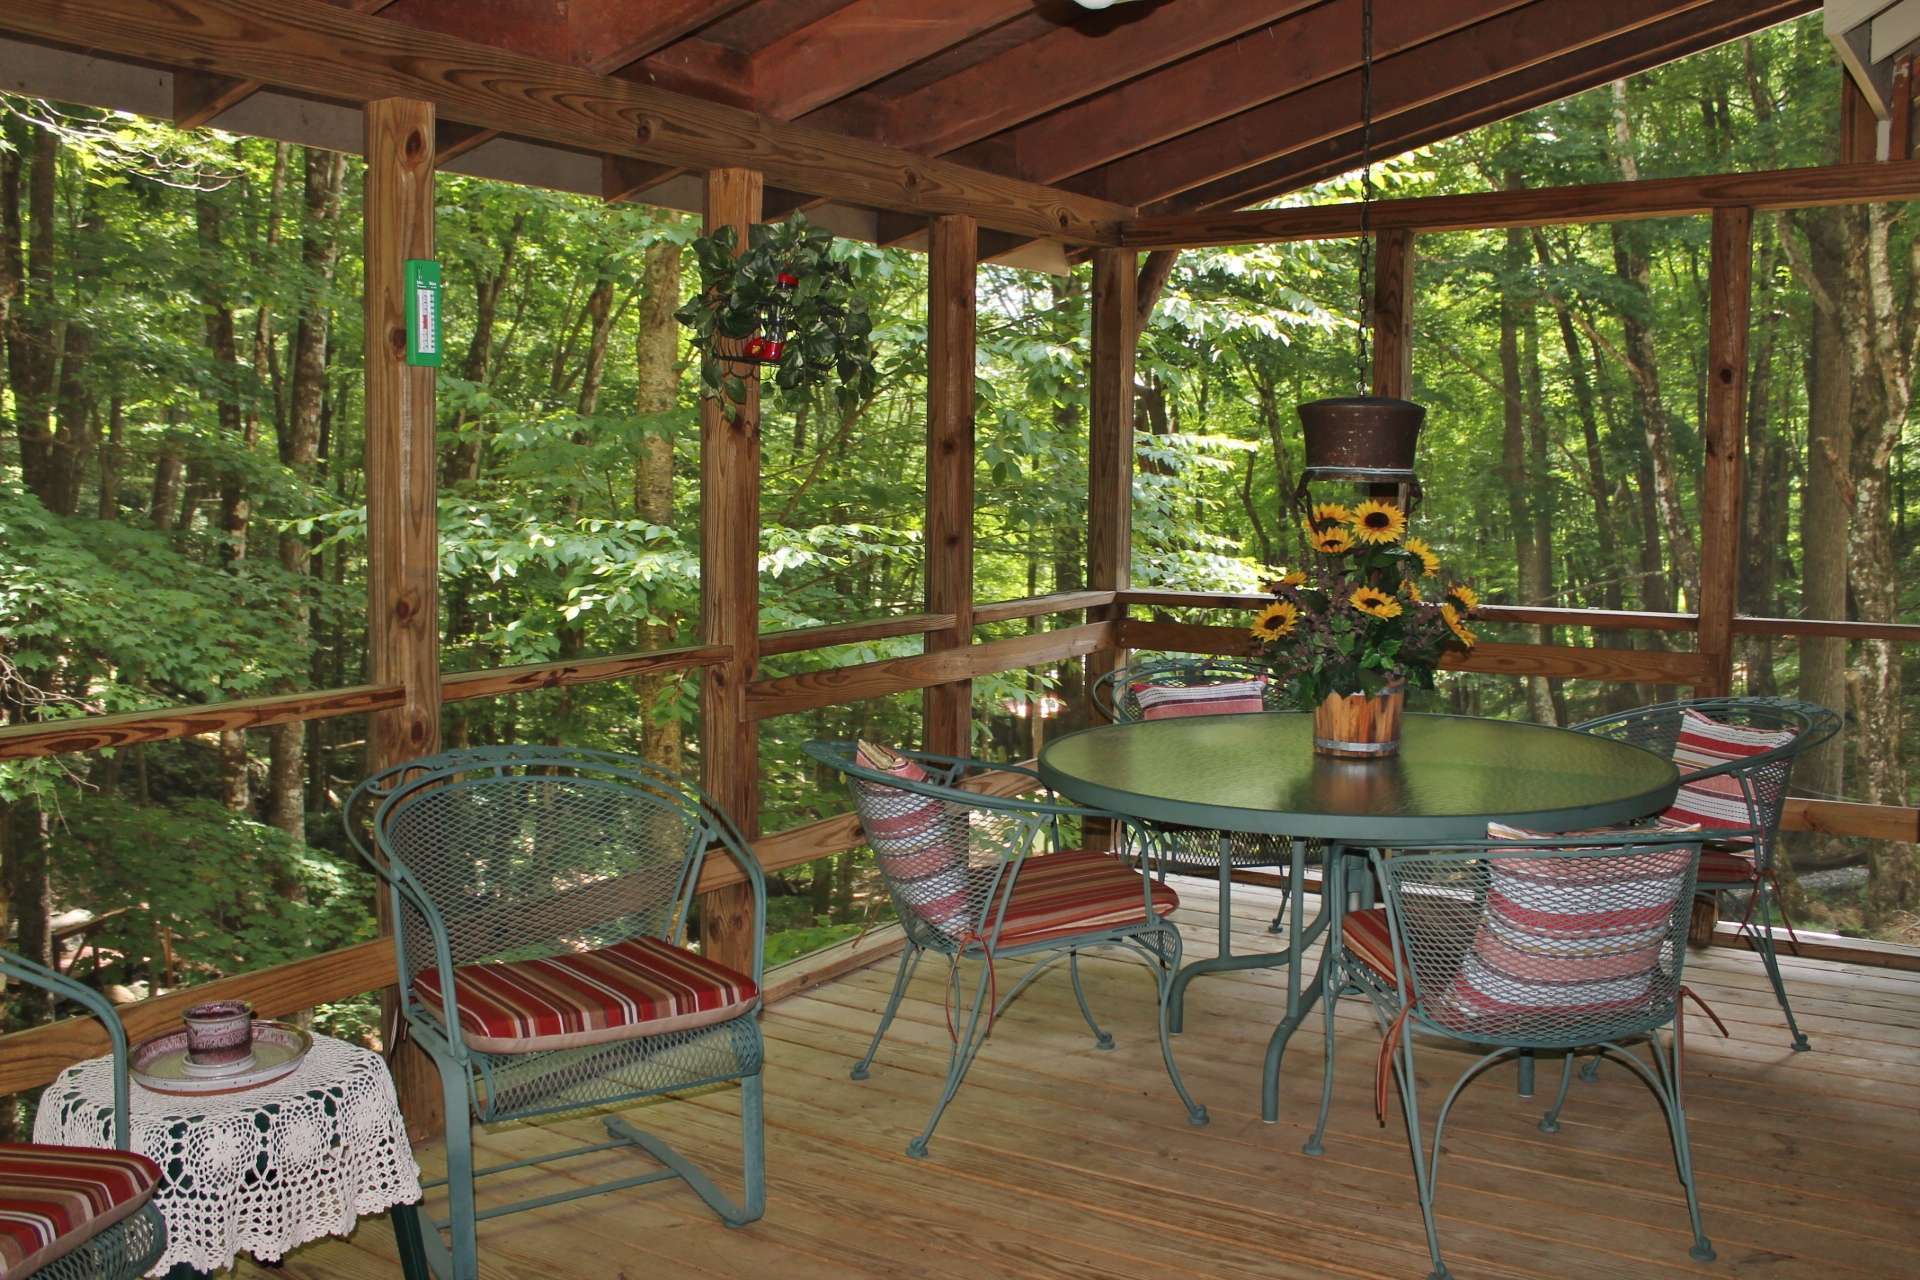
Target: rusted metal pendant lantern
[1365,438]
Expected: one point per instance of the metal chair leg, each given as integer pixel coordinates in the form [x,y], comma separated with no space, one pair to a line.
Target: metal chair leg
[909,961]
[1329,996]
[1550,1123]
[1165,965]
[965,1047]
[1761,940]
[1424,1172]
[463,1242]
[1101,1040]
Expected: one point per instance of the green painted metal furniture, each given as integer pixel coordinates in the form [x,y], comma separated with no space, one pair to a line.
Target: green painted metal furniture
[1258,773]
[506,854]
[135,1243]
[1749,866]
[977,877]
[1521,947]
[1201,850]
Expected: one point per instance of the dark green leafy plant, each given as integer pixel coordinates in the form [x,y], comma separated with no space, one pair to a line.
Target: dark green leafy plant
[788,268]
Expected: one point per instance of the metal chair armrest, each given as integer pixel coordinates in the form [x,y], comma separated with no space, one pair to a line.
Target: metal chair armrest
[33,973]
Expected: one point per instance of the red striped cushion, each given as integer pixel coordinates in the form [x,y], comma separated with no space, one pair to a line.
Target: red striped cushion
[640,987]
[1370,940]
[1077,891]
[920,840]
[1723,865]
[54,1199]
[1223,697]
[1567,937]
[1706,743]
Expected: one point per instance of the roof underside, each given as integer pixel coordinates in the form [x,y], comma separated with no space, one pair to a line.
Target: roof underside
[1165,106]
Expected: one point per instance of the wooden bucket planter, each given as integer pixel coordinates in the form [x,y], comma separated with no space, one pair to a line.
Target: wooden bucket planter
[1359,726]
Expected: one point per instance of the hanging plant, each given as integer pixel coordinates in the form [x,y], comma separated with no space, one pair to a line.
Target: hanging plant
[786,304]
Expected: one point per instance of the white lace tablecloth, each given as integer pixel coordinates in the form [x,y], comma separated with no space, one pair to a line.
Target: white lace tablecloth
[262,1171]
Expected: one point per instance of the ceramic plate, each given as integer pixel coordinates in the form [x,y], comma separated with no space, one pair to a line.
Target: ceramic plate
[160,1064]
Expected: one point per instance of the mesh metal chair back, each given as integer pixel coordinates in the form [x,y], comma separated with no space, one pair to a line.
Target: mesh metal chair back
[1547,945]
[949,856]
[1763,778]
[1114,697]
[524,852]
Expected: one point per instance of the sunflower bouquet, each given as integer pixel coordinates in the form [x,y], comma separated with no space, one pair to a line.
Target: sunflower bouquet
[1369,615]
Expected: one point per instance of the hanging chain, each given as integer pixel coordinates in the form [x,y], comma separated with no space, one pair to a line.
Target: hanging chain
[1364,331]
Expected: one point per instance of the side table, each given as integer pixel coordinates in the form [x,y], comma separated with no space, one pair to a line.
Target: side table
[263,1170]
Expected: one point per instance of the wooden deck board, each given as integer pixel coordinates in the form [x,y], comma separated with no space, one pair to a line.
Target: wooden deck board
[1060,1160]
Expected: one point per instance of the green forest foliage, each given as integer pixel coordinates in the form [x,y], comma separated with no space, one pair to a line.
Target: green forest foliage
[181,488]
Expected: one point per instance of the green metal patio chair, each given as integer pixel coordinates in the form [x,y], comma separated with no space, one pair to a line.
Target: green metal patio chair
[991,877]
[119,1233]
[1117,695]
[1736,757]
[555,885]
[1550,944]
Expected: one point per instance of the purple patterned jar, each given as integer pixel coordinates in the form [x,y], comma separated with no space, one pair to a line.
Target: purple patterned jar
[220,1031]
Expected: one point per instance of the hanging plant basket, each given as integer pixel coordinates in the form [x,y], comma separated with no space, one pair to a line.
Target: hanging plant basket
[785,304]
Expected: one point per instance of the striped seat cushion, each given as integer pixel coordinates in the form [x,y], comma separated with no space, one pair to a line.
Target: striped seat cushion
[1562,939]
[1723,864]
[1077,891]
[640,987]
[1369,939]
[1218,698]
[1706,743]
[920,840]
[54,1199]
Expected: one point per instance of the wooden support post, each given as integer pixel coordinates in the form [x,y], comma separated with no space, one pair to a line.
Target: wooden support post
[730,596]
[403,572]
[951,260]
[1116,336]
[1393,312]
[1729,301]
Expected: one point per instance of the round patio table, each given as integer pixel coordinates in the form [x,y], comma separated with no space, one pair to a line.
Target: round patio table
[1258,773]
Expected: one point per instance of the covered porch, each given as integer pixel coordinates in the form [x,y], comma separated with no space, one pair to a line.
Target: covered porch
[1058,1159]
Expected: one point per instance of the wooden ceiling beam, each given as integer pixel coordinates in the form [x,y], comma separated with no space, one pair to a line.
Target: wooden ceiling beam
[1628,54]
[199,97]
[864,42]
[1434,72]
[1263,65]
[313,49]
[1540,206]
[597,34]
[1094,53]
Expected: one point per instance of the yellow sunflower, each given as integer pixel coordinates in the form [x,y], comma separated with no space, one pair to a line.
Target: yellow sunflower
[1411,590]
[1429,562]
[1378,522]
[1457,625]
[1277,621]
[1464,597]
[1333,542]
[1327,513]
[1378,603]
[1294,578]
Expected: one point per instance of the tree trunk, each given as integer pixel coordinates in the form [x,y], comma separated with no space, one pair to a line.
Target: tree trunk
[299,439]
[1634,267]
[1521,524]
[1826,498]
[31,323]
[463,460]
[657,378]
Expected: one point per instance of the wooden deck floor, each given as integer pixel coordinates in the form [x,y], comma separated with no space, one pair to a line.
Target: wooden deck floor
[1060,1160]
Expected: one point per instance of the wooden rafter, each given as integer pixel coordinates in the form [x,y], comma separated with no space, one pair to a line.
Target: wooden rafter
[1628,53]
[198,97]
[1258,67]
[1068,63]
[316,50]
[1420,74]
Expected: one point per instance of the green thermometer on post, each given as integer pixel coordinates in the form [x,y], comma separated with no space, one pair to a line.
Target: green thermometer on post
[423,312]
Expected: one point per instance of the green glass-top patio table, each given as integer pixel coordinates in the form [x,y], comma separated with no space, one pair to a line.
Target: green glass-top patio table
[1258,773]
